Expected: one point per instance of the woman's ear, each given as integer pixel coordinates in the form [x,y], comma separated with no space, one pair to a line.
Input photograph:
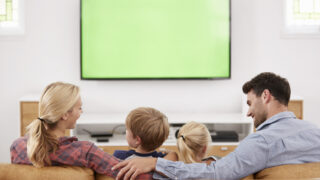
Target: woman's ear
[65,116]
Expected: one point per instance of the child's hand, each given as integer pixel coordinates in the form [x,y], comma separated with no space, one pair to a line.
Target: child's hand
[210,159]
[172,156]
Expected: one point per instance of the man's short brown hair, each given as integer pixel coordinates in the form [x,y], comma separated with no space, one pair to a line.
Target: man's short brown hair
[278,86]
[150,125]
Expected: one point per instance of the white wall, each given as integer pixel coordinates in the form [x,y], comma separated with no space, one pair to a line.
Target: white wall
[49,51]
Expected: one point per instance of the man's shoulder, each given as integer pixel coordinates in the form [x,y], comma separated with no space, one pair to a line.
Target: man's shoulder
[256,137]
[287,129]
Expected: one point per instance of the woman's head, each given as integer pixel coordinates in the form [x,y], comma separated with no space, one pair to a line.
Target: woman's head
[59,107]
[58,101]
[193,142]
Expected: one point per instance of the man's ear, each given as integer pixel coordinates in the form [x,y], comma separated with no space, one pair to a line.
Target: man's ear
[266,96]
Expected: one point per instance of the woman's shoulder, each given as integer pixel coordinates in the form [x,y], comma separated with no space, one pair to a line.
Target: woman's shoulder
[66,143]
[18,151]
[19,141]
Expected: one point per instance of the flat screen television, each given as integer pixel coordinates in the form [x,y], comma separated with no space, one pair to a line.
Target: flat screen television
[155,39]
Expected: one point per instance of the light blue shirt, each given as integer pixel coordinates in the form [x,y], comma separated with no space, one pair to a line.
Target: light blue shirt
[281,139]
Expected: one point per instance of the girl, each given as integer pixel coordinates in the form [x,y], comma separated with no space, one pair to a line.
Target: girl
[193,142]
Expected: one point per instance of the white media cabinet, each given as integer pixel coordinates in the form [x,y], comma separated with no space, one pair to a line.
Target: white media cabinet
[114,123]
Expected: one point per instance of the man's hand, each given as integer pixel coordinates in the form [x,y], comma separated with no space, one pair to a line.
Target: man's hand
[131,168]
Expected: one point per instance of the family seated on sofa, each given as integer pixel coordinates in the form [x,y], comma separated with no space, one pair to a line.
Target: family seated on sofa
[280,139]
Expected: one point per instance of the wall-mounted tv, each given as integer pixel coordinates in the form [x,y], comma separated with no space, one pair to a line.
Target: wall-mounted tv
[155,39]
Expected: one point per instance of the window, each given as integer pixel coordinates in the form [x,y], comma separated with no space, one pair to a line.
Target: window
[11,17]
[302,17]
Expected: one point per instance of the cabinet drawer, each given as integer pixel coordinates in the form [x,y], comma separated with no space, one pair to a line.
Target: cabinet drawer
[221,150]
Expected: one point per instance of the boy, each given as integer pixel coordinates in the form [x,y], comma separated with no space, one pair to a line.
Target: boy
[147,129]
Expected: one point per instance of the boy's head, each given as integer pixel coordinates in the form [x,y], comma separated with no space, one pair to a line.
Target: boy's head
[148,124]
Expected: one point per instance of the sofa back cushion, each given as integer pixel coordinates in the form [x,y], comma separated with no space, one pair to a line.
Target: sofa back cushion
[102,177]
[291,171]
[28,172]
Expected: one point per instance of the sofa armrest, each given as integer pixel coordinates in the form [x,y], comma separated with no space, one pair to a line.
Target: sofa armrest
[29,172]
[291,171]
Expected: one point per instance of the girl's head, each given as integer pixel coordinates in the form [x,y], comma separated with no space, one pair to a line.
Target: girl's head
[59,108]
[193,142]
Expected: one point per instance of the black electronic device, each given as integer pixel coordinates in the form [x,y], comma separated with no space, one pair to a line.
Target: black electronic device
[224,136]
[101,135]
[97,135]
[102,139]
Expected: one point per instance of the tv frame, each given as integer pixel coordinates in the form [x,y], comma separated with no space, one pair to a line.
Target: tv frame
[214,78]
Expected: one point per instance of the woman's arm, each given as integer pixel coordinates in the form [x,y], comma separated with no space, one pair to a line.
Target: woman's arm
[102,163]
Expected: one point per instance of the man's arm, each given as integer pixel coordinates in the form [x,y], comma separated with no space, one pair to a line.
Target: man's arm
[131,168]
[250,157]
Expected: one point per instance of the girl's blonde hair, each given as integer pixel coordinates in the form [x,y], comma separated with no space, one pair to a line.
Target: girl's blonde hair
[57,99]
[192,138]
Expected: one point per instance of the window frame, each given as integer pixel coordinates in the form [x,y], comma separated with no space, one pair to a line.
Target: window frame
[17,26]
[292,31]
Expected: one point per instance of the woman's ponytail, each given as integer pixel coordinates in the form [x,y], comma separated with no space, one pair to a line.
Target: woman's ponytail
[56,100]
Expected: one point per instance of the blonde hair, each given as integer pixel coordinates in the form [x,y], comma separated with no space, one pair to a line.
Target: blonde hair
[150,125]
[57,99]
[192,138]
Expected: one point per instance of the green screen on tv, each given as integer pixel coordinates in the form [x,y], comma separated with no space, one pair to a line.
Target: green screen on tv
[155,39]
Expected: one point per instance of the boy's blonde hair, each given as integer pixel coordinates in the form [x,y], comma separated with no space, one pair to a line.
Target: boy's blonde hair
[150,125]
[57,99]
[192,138]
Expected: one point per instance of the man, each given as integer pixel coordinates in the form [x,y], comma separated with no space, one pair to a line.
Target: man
[280,139]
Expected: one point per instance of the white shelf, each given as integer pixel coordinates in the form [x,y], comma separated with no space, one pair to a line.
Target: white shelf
[30,98]
[173,118]
[120,140]
[106,123]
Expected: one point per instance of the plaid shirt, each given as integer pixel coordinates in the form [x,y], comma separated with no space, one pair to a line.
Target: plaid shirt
[72,152]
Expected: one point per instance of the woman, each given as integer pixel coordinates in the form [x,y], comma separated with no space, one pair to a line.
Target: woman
[45,143]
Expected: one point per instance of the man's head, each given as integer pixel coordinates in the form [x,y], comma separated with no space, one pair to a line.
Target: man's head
[146,127]
[261,90]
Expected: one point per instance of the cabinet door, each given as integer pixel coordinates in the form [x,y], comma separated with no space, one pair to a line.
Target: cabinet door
[296,106]
[29,111]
